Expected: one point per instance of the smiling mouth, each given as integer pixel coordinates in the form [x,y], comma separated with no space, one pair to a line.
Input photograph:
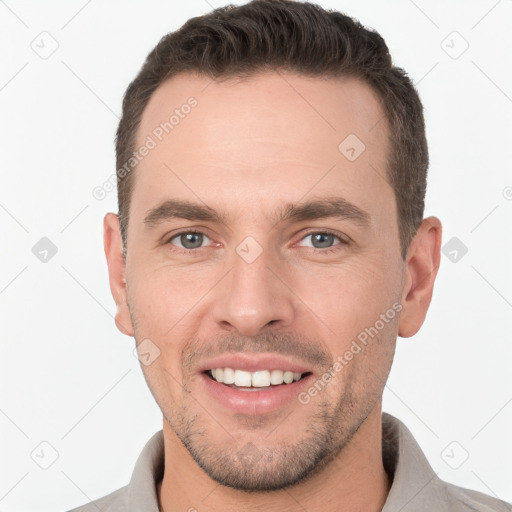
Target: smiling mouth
[254,381]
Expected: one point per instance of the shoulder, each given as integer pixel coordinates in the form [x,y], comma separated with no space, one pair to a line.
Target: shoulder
[116,501]
[464,499]
[416,487]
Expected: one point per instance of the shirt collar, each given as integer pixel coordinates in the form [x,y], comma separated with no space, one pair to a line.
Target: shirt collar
[148,471]
[415,486]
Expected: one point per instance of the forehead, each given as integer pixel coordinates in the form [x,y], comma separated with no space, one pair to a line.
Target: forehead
[270,137]
[267,103]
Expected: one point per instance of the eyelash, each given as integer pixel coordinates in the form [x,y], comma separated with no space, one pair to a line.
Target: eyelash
[327,250]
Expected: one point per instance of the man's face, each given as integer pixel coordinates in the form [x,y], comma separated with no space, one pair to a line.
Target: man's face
[265,288]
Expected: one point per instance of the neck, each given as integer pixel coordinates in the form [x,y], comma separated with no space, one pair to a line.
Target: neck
[354,480]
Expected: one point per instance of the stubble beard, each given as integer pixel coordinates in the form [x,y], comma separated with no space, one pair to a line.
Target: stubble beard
[253,467]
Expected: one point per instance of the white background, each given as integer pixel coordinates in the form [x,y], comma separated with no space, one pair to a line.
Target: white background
[69,378]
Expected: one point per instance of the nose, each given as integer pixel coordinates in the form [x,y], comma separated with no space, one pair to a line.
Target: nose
[254,295]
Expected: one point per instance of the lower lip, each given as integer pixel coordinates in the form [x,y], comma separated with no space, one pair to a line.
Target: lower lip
[255,402]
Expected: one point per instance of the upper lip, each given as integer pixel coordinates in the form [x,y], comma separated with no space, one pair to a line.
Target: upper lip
[254,363]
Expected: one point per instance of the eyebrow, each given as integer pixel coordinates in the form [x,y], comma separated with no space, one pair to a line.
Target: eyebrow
[328,207]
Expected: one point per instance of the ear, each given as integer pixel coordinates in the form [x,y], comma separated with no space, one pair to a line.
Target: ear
[421,266]
[116,271]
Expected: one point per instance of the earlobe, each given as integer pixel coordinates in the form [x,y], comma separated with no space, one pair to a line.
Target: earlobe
[117,270]
[421,266]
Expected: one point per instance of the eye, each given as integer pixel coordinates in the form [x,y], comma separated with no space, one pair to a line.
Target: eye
[188,240]
[323,241]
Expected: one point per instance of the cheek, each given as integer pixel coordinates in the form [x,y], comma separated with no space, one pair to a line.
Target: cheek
[161,298]
[347,297]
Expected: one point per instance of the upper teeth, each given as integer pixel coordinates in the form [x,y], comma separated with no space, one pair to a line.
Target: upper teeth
[259,379]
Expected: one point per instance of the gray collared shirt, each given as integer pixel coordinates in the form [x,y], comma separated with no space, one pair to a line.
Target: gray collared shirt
[415,488]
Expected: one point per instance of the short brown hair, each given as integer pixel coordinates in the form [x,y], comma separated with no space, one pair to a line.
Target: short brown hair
[293,36]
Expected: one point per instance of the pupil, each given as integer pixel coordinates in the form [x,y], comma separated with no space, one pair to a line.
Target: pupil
[324,236]
[188,240]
